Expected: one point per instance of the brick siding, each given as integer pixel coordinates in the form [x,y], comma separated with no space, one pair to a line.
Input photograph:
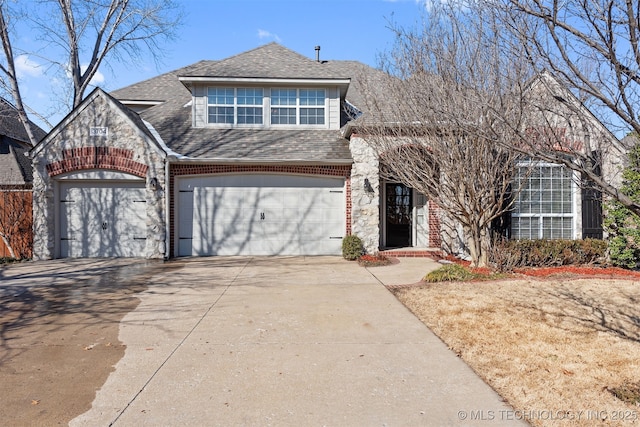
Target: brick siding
[435,234]
[83,158]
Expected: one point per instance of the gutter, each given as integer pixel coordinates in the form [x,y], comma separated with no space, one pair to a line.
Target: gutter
[245,161]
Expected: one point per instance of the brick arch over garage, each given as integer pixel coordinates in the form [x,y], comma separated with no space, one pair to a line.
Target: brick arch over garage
[83,158]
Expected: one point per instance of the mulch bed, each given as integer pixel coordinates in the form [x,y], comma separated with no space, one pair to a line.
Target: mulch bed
[561,271]
[580,271]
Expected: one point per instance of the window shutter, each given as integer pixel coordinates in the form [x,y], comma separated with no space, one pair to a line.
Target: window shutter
[592,205]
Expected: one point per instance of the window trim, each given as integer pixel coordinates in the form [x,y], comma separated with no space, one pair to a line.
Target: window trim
[573,215]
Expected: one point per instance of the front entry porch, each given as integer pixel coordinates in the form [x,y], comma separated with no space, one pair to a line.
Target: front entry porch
[404,221]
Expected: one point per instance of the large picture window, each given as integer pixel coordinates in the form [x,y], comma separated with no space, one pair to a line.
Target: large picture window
[242,106]
[544,208]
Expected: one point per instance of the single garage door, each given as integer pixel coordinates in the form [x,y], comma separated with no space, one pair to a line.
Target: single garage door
[260,215]
[102,219]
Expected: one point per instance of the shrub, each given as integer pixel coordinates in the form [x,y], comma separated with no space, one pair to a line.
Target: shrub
[623,225]
[352,247]
[449,273]
[509,254]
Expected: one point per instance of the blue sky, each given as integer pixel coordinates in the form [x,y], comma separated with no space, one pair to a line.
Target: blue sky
[216,29]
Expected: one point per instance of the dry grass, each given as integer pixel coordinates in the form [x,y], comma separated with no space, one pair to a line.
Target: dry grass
[543,345]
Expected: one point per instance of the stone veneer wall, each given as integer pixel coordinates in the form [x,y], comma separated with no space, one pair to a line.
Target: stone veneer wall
[125,149]
[365,201]
[187,169]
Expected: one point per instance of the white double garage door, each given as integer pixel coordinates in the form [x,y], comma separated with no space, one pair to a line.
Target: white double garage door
[260,214]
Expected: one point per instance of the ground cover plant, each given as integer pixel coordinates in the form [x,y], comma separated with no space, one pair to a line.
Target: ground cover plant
[560,344]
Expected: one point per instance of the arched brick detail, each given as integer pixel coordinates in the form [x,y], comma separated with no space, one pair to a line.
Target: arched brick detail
[183,169]
[83,158]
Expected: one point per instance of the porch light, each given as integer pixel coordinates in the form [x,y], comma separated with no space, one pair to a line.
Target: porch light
[153,183]
[367,186]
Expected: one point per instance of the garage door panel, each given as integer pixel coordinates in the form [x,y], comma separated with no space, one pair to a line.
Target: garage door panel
[261,215]
[102,219]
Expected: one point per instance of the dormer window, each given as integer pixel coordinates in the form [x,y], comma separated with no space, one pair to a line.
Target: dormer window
[265,107]
[235,106]
[297,106]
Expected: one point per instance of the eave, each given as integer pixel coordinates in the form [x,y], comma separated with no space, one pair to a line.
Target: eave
[342,84]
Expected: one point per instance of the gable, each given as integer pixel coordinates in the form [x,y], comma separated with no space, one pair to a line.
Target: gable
[99,134]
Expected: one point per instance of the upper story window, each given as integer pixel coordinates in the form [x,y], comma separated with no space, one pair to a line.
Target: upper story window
[297,106]
[242,106]
[246,106]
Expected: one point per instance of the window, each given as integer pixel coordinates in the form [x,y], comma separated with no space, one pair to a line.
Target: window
[241,106]
[544,208]
[297,106]
[220,102]
[244,106]
[283,106]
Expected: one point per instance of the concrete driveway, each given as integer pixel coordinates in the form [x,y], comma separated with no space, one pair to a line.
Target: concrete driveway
[286,341]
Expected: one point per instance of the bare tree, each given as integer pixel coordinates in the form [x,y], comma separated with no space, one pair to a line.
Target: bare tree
[590,53]
[11,78]
[433,120]
[81,35]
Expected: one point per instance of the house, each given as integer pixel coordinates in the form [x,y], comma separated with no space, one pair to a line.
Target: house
[243,156]
[15,184]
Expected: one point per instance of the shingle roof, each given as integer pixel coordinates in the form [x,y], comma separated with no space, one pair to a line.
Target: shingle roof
[11,126]
[15,167]
[172,117]
[268,61]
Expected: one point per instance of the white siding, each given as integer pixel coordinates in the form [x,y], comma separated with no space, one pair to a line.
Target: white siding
[199,106]
[334,108]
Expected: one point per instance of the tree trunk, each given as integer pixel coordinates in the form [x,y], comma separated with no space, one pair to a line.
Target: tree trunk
[477,238]
[12,253]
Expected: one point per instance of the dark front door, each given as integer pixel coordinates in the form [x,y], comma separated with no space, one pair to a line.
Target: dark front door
[398,215]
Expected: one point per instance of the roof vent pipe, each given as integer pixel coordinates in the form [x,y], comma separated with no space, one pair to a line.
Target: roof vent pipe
[318,53]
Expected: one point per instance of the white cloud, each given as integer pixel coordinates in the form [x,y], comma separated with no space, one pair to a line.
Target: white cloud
[27,67]
[97,78]
[264,34]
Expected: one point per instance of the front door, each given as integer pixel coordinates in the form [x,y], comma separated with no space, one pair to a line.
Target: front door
[398,215]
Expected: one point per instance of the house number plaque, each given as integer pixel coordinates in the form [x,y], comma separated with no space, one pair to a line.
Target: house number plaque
[98,131]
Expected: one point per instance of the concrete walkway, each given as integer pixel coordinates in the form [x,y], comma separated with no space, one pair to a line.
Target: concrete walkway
[298,341]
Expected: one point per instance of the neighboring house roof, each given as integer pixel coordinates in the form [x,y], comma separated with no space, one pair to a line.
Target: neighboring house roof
[15,166]
[171,117]
[11,126]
